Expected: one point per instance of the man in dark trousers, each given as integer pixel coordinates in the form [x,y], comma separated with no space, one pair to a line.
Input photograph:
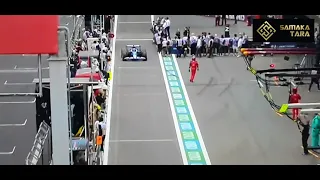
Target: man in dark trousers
[210,47]
[179,46]
[235,19]
[224,20]
[218,20]
[305,123]
[107,23]
[314,80]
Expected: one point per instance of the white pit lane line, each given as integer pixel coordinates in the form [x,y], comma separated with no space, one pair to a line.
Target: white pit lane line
[10,152]
[14,125]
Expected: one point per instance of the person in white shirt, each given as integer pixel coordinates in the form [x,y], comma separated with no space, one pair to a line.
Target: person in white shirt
[240,42]
[179,46]
[210,47]
[207,39]
[94,45]
[95,33]
[166,26]
[222,46]
[235,44]
[199,45]
[158,42]
[185,45]
[85,35]
[162,21]
[193,44]
[164,46]
[170,46]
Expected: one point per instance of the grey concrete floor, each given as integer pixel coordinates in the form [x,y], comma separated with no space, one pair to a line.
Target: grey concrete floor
[21,137]
[142,129]
[237,124]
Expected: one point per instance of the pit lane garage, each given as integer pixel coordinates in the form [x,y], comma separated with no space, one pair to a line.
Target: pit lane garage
[87,104]
[295,81]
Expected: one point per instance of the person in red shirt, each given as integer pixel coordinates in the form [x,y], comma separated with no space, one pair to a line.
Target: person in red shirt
[295,98]
[193,66]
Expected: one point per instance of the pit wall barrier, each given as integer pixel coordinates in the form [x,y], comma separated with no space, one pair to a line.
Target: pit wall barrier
[108,86]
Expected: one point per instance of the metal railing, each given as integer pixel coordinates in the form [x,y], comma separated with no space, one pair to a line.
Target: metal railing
[77,30]
[41,149]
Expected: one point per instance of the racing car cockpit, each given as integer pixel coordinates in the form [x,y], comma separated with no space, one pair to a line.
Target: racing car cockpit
[133,49]
[133,52]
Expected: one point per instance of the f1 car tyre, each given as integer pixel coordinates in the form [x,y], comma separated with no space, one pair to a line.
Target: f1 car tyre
[144,54]
[123,54]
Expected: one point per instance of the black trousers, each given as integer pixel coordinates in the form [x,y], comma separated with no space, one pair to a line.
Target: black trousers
[179,48]
[305,137]
[227,34]
[316,81]
[224,20]
[159,48]
[183,49]
[216,47]
[168,31]
[193,48]
[217,21]
[210,52]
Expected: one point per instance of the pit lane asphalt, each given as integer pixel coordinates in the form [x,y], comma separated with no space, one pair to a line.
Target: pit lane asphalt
[21,137]
[142,129]
[237,124]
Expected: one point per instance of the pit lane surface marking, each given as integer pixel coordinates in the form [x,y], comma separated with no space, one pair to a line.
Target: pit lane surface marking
[16,67]
[147,117]
[191,144]
[142,140]
[10,152]
[192,147]
[16,84]
[108,119]
[134,22]
[14,110]
[14,125]
[18,102]
[134,39]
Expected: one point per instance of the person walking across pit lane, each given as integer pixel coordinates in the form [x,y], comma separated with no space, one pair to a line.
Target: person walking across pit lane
[194,67]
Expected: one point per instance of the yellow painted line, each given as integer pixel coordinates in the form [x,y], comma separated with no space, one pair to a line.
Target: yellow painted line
[313,153]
